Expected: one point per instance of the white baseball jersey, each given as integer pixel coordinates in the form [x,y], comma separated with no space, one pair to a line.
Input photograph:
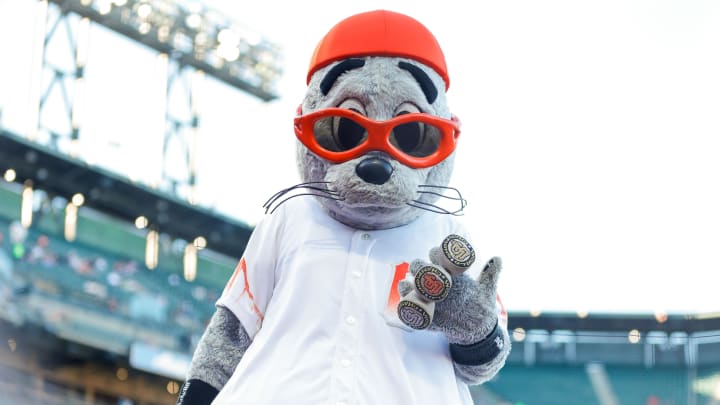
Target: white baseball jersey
[318,299]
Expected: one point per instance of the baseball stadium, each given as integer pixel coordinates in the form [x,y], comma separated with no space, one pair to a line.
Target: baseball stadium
[108,282]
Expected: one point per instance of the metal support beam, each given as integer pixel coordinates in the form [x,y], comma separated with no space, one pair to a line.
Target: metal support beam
[203,38]
[190,39]
[182,118]
[64,51]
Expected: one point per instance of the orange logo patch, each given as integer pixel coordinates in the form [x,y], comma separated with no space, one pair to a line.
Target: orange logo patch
[394,297]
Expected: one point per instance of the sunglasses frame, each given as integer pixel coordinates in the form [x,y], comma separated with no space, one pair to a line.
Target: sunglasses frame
[378,136]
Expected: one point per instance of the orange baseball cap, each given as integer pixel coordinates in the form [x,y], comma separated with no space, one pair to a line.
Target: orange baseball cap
[380,33]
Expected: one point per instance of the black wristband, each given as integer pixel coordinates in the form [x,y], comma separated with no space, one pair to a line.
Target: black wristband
[481,352]
[196,392]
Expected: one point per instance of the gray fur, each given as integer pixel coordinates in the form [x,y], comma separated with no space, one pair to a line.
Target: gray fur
[372,206]
[468,314]
[219,350]
[381,87]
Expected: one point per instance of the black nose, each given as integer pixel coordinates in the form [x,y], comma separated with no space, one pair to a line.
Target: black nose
[374,170]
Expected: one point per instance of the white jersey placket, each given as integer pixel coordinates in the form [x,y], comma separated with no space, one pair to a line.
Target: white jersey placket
[352,316]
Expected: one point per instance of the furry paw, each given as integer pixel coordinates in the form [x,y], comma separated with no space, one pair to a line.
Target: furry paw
[469,313]
[439,296]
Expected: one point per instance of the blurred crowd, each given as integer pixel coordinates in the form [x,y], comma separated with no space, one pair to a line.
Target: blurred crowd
[35,262]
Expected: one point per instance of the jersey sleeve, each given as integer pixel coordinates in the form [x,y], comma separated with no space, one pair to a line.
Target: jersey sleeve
[249,289]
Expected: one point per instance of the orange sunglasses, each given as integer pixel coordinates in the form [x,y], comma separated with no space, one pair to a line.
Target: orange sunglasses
[417,140]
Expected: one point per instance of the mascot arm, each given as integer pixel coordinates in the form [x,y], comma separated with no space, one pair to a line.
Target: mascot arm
[467,314]
[216,356]
[480,362]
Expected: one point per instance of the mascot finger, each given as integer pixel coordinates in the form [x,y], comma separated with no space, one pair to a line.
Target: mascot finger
[431,281]
[455,254]
[424,285]
[405,287]
[488,279]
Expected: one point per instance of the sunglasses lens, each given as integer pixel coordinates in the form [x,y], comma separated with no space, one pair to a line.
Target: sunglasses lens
[338,134]
[417,139]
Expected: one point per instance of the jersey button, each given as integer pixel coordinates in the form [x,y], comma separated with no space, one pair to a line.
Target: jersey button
[340,403]
[351,320]
[365,236]
[346,363]
[356,274]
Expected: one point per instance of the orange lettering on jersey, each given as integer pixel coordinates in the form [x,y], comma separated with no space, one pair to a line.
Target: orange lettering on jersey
[242,267]
[394,296]
[230,282]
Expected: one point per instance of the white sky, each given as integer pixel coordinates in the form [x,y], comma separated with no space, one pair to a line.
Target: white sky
[589,154]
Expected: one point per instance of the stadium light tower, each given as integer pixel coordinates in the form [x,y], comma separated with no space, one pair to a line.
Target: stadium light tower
[192,38]
[64,54]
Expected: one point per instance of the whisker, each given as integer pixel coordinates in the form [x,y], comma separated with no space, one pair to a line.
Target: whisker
[332,197]
[322,192]
[459,197]
[436,208]
[307,185]
[300,185]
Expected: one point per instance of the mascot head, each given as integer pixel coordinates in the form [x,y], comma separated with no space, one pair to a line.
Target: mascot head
[376,139]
